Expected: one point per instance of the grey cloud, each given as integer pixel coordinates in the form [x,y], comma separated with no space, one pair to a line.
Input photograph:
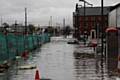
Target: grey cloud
[39,11]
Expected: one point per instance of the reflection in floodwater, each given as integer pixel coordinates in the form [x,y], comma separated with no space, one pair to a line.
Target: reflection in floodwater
[90,68]
[102,69]
[56,60]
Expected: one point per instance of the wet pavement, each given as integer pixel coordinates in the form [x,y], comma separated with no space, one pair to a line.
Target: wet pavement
[57,60]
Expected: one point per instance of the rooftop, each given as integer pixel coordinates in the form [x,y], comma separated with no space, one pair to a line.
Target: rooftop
[93,11]
[116,6]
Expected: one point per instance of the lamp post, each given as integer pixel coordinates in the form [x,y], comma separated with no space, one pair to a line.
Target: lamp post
[102,42]
[85,16]
[77,29]
[102,36]
[26,31]
[102,25]
[25,20]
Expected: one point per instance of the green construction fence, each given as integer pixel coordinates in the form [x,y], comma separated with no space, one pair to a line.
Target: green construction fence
[3,48]
[12,45]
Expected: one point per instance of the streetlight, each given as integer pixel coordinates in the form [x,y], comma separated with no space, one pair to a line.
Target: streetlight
[102,25]
[102,44]
[77,29]
[102,37]
[85,15]
[25,20]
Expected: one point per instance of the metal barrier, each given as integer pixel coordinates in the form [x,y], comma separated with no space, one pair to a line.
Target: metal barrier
[12,45]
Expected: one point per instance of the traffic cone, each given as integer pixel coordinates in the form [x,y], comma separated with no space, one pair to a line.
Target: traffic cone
[37,76]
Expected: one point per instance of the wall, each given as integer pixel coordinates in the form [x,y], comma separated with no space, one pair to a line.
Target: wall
[118,17]
[112,18]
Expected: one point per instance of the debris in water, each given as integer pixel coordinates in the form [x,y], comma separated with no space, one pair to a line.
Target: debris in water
[25,67]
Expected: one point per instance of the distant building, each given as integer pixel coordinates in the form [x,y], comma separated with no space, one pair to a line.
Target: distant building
[92,19]
[18,27]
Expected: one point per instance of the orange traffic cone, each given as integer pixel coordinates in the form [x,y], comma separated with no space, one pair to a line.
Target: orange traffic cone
[37,76]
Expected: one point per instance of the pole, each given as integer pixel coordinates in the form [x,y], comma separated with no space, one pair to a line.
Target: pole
[84,21]
[51,21]
[64,27]
[102,25]
[1,21]
[6,40]
[76,23]
[102,37]
[16,38]
[85,28]
[25,39]
[77,26]
[64,22]
[25,20]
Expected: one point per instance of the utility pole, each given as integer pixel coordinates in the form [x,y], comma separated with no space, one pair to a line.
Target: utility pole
[77,26]
[25,20]
[84,22]
[102,25]
[15,26]
[102,37]
[85,27]
[49,23]
[50,20]
[16,37]
[25,41]
[1,21]
[64,22]
[77,23]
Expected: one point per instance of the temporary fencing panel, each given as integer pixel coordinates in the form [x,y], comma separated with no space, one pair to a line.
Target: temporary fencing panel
[47,37]
[3,48]
[39,39]
[26,42]
[30,40]
[35,40]
[11,45]
[43,38]
[20,44]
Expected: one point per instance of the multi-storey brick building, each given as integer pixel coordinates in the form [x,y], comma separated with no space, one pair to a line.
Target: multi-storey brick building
[91,20]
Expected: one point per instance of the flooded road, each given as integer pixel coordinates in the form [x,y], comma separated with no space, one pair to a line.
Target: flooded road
[57,61]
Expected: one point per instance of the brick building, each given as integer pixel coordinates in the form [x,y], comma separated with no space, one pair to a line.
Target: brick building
[91,21]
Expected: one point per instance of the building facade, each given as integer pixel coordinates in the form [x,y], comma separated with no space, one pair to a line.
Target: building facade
[113,39]
[84,22]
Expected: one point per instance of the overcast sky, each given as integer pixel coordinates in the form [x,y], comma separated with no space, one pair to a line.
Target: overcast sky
[39,11]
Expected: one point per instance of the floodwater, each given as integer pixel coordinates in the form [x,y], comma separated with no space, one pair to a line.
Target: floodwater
[57,61]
